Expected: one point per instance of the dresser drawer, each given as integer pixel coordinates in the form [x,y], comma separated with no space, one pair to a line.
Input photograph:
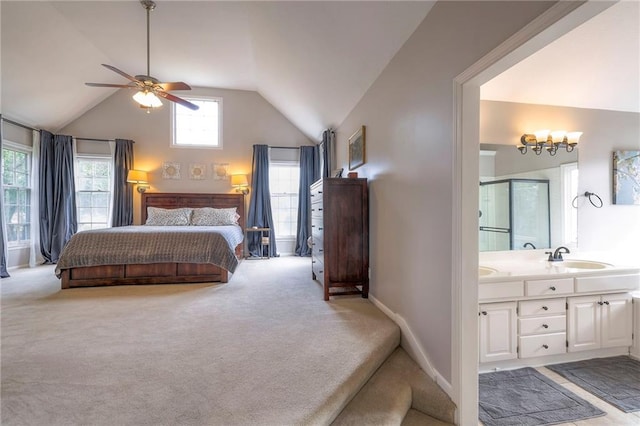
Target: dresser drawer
[542,345]
[316,211]
[317,266]
[542,325]
[542,307]
[500,290]
[548,287]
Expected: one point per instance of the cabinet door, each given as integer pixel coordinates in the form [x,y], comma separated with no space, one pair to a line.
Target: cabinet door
[498,331]
[617,320]
[583,319]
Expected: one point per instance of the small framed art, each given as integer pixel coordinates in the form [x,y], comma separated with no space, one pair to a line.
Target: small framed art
[170,170]
[357,149]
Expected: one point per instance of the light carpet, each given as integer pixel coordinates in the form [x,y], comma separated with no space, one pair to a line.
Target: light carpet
[263,349]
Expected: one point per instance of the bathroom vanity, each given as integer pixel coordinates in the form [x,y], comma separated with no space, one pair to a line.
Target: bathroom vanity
[534,312]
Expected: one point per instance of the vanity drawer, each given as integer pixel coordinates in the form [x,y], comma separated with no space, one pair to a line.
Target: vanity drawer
[542,325]
[542,307]
[548,287]
[545,344]
[507,289]
[607,283]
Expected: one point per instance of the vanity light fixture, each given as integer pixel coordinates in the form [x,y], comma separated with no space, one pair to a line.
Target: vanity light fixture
[240,183]
[138,177]
[549,140]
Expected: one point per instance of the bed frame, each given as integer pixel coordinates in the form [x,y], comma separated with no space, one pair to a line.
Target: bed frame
[161,273]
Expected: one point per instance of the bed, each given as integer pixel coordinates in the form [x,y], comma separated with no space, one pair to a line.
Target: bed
[149,254]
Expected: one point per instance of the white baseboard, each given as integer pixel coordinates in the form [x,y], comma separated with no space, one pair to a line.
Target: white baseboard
[410,344]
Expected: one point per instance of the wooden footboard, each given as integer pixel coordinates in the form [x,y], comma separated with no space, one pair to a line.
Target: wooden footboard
[156,273]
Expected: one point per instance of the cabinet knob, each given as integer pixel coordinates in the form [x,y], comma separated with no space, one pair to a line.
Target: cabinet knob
[552,288]
[320,229]
[313,261]
[600,303]
[545,325]
[545,308]
[545,346]
[319,192]
[606,303]
[484,312]
[313,226]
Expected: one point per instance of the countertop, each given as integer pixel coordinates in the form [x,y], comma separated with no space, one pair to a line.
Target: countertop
[533,264]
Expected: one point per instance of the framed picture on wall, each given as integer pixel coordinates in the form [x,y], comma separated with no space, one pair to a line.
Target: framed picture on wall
[170,170]
[220,171]
[197,171]
[357,149]
[626,177]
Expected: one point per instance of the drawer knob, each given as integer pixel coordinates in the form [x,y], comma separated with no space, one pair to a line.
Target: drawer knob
[320,229]
[545,346]
[552,288]
[545,308]
[484,312]
[545,325]
[606,303]
[600,303]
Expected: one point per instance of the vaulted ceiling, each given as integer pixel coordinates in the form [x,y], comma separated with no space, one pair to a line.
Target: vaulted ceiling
[312,60]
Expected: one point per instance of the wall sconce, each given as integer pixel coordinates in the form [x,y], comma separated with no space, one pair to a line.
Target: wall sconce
[138,177]
[240,183]
[549,140]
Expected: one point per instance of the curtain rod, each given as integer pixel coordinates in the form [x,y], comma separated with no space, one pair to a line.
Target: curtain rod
[96,140]
[24,126]
[284,147]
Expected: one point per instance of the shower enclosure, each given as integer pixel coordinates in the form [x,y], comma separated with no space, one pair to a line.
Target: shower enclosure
[514,214]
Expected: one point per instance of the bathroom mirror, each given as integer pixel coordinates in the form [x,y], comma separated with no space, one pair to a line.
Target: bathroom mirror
[530,201]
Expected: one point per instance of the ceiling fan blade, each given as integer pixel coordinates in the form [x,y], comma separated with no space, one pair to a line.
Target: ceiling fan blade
[172,98]
[124,86]
[122,73]
[176,85]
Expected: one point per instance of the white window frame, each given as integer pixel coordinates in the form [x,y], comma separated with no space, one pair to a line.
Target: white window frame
[292,164]
[29,151]
[95,157]
[174,142]
[569,212]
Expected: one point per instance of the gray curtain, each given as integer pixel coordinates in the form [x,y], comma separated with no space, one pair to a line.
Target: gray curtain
[326,148]
[122,191]
[3,236]
[57,191]
[260,214]
[309,173]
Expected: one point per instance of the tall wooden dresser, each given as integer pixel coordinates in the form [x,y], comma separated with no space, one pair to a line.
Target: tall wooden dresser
[340,235]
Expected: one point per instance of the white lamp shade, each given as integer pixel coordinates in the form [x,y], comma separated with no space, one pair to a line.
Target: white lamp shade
[137,176]
[239,180]
[573,137]
[147,99]
[558,135]
[541,135]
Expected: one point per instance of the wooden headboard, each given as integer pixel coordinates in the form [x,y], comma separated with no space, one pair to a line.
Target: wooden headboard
[177,200]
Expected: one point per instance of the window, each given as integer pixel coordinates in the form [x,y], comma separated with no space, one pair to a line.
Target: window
[198,129]
[93,192]
[284,180]
[16,190]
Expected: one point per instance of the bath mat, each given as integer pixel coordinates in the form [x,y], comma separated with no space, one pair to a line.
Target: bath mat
[528,398]
[615,380]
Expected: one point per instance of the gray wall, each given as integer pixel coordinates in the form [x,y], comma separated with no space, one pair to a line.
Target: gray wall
[248,119]
[408,112]
[611,228]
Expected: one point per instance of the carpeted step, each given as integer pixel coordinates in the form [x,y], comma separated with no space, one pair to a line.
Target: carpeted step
[418,418]
[399,393]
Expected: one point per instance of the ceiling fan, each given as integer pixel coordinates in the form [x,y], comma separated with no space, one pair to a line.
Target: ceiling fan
[149,88]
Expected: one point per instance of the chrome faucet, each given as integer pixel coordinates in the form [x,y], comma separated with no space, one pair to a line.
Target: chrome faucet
[556,256]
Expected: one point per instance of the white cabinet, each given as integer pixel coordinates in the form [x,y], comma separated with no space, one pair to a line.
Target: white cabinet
[498,331]
[542,327]
[600,321]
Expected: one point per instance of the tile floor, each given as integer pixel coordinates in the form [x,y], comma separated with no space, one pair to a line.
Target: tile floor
[614,416]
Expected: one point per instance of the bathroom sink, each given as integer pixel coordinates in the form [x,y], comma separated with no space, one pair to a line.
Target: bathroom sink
[484,271]
[584,264]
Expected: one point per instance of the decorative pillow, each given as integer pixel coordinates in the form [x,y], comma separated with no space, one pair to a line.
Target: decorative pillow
[168,217]
[208,216]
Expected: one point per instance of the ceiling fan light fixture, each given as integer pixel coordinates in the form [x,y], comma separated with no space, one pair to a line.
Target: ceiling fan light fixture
[147,99]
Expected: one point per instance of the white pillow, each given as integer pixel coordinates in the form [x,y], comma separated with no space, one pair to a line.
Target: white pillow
[208,216]
[168,217]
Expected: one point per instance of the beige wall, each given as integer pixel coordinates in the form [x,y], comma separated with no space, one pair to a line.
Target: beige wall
[408,112]
[610,228]
[248,119]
